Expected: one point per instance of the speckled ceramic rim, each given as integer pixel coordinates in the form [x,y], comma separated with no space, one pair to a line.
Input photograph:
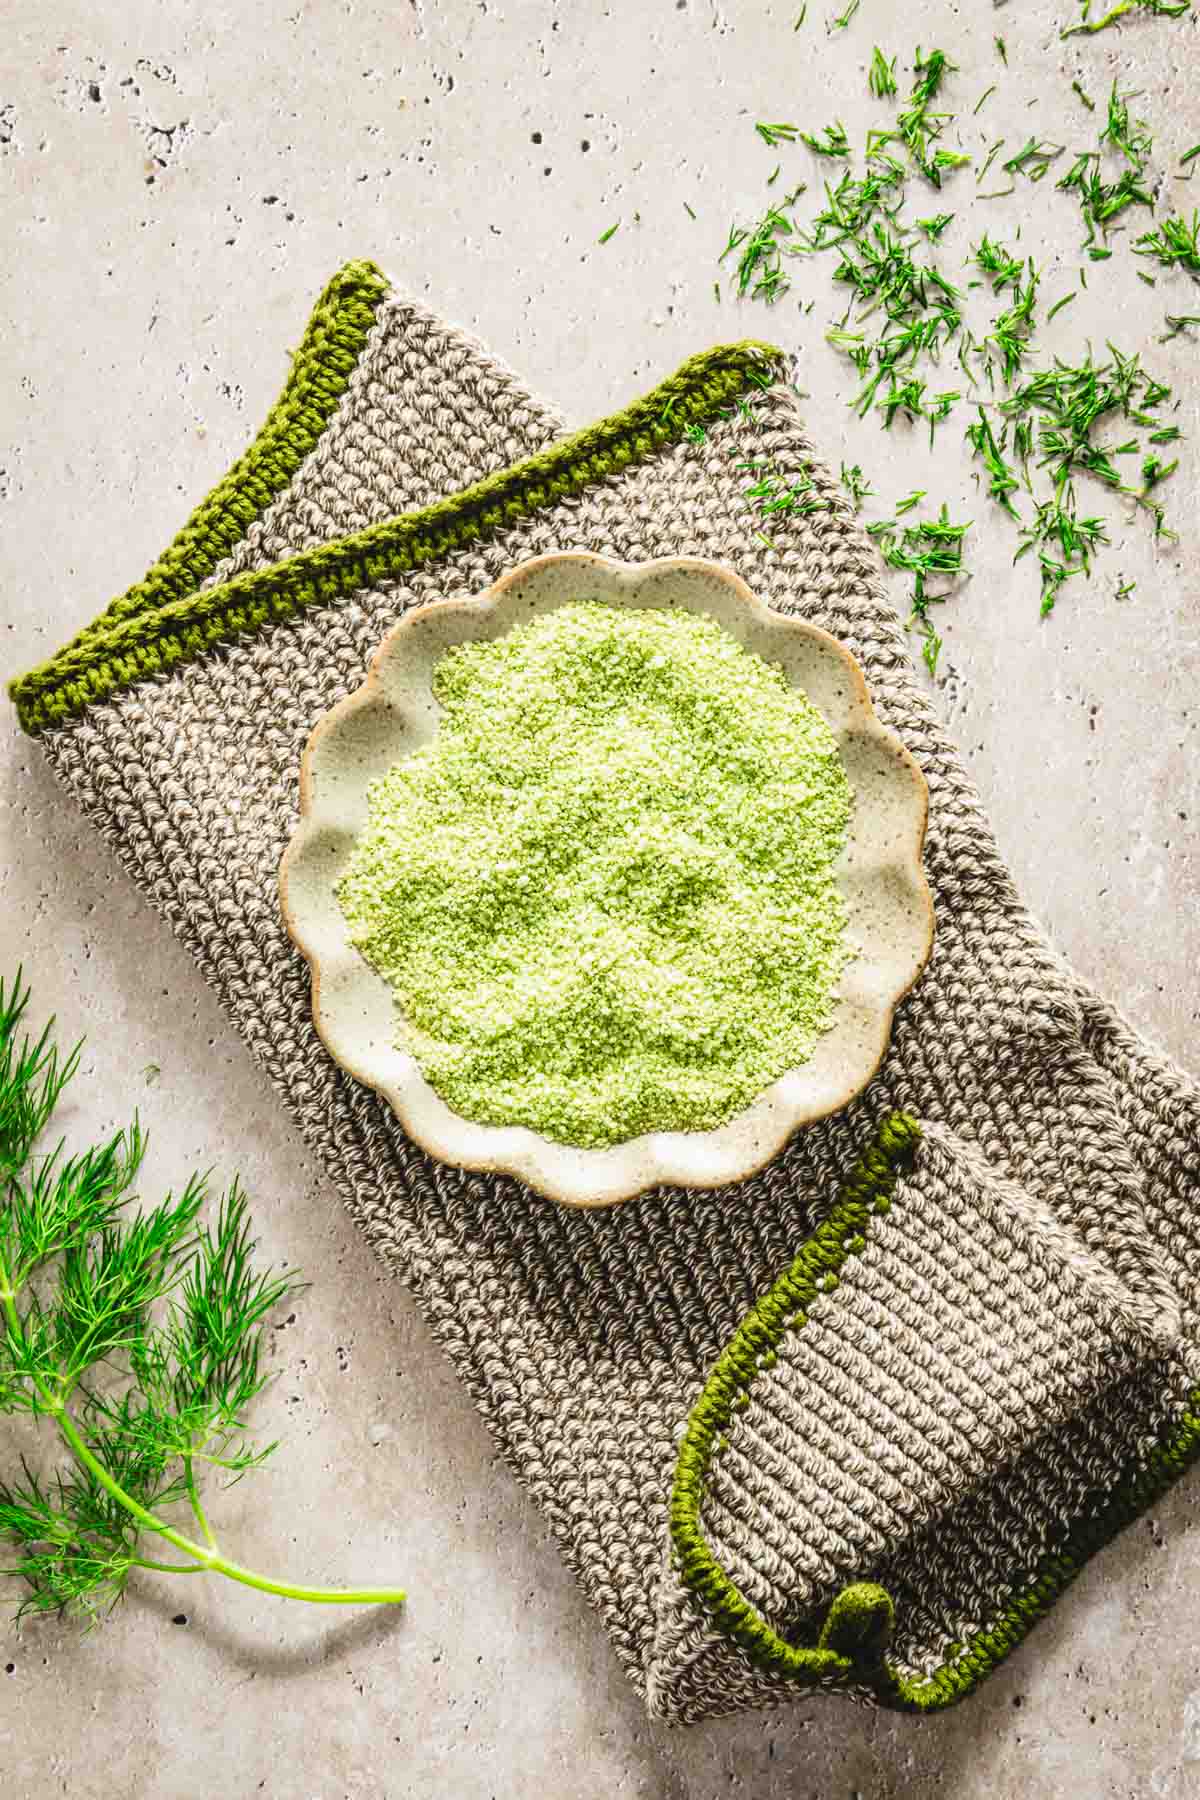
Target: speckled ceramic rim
[880,875]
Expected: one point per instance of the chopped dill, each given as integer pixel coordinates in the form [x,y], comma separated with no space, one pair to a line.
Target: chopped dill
[803,16]
[1059,304]
[932,548]
[881,77]
[855,485]
[907,504]
[1001,50]
[934,227]
[1188,155]
[991,157]
[1176,322]
[841,23]
[1164,9]
[1176,244]
[773,176]
[1125,588]
[1033,160]
[1150,280]
[984,96]
[1002,480]
[1086,98]
[776,134]
[605,235]
[836,142]
[687,209]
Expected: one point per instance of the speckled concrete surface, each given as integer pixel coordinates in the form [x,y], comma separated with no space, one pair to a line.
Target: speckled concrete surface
[179,182]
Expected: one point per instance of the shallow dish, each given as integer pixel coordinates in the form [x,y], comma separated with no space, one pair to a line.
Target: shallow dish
[890,914]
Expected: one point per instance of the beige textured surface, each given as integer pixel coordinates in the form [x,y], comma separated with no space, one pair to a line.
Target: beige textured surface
[497,1680]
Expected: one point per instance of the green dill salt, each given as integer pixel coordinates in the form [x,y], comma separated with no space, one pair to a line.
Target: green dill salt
[604,894]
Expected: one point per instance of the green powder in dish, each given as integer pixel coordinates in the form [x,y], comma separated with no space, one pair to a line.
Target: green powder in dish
[603,895]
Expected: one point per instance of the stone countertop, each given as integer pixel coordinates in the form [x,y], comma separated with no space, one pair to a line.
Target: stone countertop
[180,182]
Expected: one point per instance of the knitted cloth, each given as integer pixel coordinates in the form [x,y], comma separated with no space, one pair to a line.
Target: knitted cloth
[855,1421]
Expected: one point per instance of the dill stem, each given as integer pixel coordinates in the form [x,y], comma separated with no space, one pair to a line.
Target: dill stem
[203,1558]
[207,1558]
[194,1498]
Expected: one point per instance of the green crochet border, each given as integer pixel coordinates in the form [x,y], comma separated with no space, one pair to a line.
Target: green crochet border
[165,621]
[852,1642]
[321,369]
[861,1615]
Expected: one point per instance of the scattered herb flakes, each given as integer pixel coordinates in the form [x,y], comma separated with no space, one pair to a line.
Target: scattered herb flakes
[836,142]
[1059,304]
[774,175]
[605,235]
[841,23]
[1086,98]
[911,500]
[1176,244]
[1124,588]
[1188,156]
[934,227]
[687,209]
[1150,280]
[1176,322]
[855,485]
[803,16]
[1002,479]
[991,157]
[1033,160]
[881,77]
[930,549]
[1165,9]
[1001,50]
[776,134]
[984,96]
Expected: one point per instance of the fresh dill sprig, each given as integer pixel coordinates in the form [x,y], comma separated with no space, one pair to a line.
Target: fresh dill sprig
[934,227]
[909,501]
[137,1336]
[1165,9]
[841,23]
[881,76]
[1176,244]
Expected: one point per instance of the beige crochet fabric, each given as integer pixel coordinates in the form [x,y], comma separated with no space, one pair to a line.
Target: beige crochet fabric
[985,1359]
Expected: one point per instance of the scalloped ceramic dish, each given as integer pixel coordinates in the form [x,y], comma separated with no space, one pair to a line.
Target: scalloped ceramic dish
[890,914]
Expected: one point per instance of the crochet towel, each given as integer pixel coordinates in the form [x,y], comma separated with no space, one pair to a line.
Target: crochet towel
[855,1421]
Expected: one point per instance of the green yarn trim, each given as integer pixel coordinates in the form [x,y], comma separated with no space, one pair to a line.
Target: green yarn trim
[165,622]
[851,1641]
[320,373]
[962,1674]
[854,1637]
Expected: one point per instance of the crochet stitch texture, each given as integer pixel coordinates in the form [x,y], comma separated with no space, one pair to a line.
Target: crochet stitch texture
[851,1423]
